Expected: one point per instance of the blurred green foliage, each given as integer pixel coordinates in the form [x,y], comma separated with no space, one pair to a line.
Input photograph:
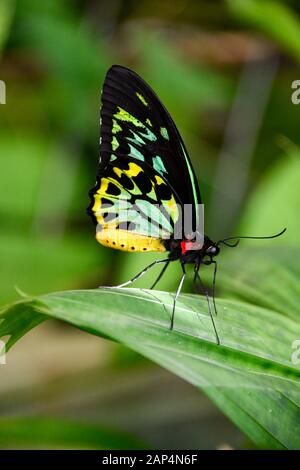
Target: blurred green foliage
[7,8]
[273,18]
[278,186]
[54,55]
[46,433]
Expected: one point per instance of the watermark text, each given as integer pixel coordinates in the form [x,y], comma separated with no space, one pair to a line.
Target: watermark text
[295,357]
[2,92]
[295,97]
[2,353]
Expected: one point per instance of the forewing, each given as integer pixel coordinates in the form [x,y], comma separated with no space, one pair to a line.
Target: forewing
[135,124]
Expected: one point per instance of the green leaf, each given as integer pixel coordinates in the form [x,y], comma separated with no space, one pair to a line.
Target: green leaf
[275,19]
[277,201]
[58,433]
[272,283]
[250,375]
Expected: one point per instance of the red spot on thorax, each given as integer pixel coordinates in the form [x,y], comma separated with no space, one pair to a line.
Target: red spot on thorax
[183,248]
[186,246]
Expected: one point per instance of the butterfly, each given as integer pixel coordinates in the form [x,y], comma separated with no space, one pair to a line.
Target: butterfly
[146,187]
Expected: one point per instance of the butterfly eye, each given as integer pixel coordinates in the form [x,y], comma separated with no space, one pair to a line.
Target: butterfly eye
[213,250]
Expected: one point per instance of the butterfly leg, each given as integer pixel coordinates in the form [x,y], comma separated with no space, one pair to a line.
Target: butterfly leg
[176,295]
[197,276]
[214,286]
[197,266]
[140,274]
[160,274]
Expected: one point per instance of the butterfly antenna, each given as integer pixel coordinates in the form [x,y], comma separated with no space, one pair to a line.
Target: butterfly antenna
[232,245]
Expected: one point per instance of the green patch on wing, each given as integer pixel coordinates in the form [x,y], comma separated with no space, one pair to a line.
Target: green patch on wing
[116,127]
[141,98]
[135,153]
[158,164]
[136,139]
[155,214]
[114,143]
[123,115]
[164,133]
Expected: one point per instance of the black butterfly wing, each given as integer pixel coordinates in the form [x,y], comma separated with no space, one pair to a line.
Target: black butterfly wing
[142,160]
[142,125]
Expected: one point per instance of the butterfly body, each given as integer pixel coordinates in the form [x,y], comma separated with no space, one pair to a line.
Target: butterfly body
[190,252]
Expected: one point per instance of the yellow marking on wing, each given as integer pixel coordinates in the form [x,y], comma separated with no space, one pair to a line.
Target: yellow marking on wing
[97,203]
[102,191]
[126,241]
[103,186]
[134,169]
[118,171]
[159,180]
[172,208]
[98,209]
[97,195]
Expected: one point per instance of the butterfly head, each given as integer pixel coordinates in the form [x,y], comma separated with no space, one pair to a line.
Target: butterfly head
[212,250]
[209,250]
